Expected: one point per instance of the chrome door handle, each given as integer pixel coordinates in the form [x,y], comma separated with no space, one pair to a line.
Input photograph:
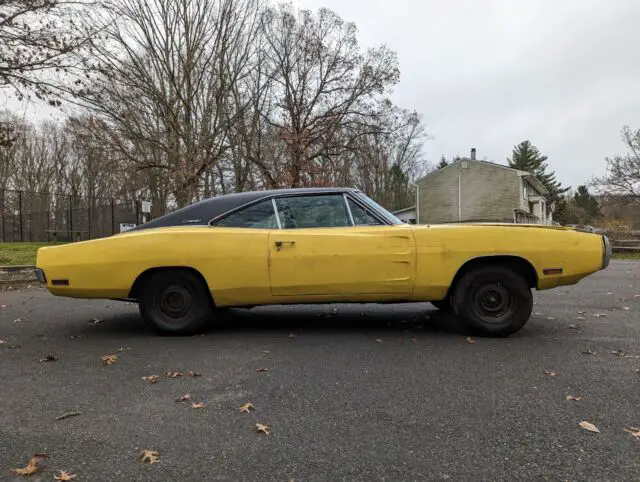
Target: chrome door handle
[280,243]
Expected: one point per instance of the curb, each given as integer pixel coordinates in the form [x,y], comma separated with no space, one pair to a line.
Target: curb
[17,273]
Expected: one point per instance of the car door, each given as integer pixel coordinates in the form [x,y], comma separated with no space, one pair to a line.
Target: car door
[330,245]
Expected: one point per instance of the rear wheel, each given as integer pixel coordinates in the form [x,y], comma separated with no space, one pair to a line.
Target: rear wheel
[493,301]
[175,302]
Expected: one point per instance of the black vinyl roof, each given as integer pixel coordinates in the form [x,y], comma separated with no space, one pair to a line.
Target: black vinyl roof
[204,211]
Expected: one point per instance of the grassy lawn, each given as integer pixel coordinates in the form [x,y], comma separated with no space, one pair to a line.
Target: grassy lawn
[635,256]
[20,253]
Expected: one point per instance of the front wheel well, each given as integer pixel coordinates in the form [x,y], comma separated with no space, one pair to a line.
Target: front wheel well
[136,288]
[515,263]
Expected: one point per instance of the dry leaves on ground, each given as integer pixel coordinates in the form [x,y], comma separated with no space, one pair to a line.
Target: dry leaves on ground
[184,398]
[599,315]
[378,340]
[589,352]
[17,320]
[198,405]
[625,308]
[3,307]
[246,407]
[64,475]
[262,369]
[109,359]
[151,378]
[173,374]
[292,335]
[470,340]
[589,426]
[573,327]
[32,466]
[574,398]
[635,432]
[150,456]
[50,357]
[95,321]
[123,348]
[263,428]
[580,318]
[193,374]
[550,373]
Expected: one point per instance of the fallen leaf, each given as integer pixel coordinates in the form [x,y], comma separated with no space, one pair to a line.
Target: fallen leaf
[589,352]
[262,369]
[193,374]
[50,357]
[32,466]
[123,348]
[246,407]
[198,405]
[589,426]
[109,359]
[2,342]
[609,293]
[625,308]
[582,312]
[151,378]
[95,321]
[173,374]
[184,398]
[150,456]
[64,475]
[414,340]
[573,327]
[17,320]
[618,352]
[263,428]
[3,307]
[580,318]
[550,373]
[68,415]
[599,315]
[378,340]
[575,399]
[266,351]
[636,296]
[635,432]
[470,340]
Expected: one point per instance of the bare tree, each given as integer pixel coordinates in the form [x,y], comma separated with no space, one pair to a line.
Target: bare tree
[322,84]
[623,170]
[42,41]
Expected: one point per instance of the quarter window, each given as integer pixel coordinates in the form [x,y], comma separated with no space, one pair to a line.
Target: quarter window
[260,216]
[361,216]
[327,211]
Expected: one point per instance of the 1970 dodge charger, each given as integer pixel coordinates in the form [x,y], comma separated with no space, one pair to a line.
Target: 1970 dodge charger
[320,246]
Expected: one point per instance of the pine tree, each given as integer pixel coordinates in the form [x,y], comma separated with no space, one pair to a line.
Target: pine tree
[443,163]
[527,157]
[587,202]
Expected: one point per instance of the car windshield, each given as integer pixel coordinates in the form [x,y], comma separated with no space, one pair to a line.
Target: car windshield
[379,209]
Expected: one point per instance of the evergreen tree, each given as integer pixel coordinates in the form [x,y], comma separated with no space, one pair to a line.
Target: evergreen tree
[527,157]
[443,163]
[587,202]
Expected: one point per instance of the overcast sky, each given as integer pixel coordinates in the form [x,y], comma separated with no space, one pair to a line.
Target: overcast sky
[564,74]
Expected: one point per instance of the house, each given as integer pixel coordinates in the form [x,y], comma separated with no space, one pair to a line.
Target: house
[407,215]
[470,190]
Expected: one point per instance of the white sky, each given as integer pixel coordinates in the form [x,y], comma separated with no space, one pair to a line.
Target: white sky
[564,74]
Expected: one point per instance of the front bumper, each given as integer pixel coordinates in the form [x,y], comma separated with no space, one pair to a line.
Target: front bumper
[41,276]
[606,252]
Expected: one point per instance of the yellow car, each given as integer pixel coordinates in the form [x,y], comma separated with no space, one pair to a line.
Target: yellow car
[296,246]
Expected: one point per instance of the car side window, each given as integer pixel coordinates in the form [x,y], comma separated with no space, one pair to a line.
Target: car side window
[260,216]
[361,216]
[328,211]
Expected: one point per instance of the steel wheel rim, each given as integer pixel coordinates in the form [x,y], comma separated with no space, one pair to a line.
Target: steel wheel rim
[493,303]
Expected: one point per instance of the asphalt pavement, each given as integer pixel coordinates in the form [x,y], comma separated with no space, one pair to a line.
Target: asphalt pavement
[348,392]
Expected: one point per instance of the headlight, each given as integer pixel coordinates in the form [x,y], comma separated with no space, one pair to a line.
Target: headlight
[606,252]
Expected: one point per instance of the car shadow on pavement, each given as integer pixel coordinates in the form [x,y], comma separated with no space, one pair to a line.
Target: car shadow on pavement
[319,318]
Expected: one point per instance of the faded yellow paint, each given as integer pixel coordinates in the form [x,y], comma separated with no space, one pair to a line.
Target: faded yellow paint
[377,263]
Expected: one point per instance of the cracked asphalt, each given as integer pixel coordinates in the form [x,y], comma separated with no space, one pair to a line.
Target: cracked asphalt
[351,392]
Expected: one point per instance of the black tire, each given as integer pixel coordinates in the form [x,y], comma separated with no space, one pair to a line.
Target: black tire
[443,305]
[493,301]
[175,302]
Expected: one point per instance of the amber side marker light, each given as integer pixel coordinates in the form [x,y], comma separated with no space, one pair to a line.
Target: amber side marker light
[552,271]
[60,282]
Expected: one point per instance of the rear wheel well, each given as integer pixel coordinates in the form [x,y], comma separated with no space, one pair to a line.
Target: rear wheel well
[516,264]
[136,288]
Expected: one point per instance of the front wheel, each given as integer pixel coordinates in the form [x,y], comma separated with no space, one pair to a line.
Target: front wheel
[175,302]
[493,301]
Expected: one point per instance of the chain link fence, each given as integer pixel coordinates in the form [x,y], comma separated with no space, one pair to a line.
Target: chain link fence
[47,217]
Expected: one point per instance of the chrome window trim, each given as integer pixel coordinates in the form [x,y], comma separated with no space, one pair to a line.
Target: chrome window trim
[275,208]
[346,202]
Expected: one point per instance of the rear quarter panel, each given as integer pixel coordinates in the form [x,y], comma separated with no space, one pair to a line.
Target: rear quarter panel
[231,261]
[443,249]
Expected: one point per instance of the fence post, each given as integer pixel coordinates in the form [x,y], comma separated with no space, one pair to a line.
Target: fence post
[113,218]
[20,209]
[71,218]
